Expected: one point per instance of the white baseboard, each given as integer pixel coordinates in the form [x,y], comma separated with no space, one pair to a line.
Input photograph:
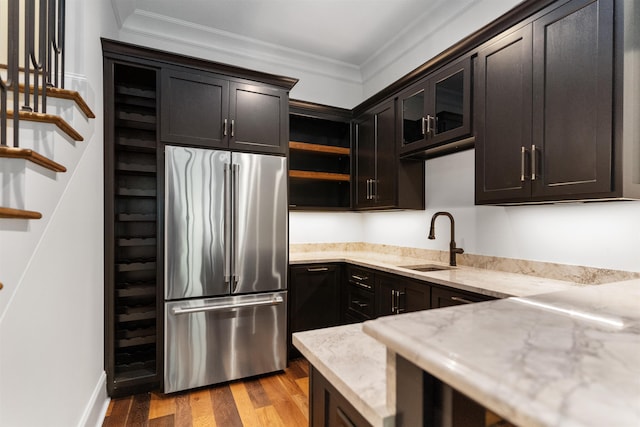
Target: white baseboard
[96,409]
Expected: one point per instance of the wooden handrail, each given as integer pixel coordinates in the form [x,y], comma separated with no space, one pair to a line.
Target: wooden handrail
[32,156]
[55,92]
[49,118]
[19,213]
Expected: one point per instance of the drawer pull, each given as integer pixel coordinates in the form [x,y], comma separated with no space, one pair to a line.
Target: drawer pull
[317,269]
[363,285]
[462,300]
[360,304]
[353,276]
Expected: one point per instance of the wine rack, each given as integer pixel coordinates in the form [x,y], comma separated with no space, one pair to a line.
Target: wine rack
[132,278]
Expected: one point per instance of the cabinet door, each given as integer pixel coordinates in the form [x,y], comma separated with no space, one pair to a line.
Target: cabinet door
[412,113]
[386,174]
[449,112]
[417,296]
[395,295]
[503,118]
[315,297]
[194,107]
[572,104]
[365,160]
[259,119]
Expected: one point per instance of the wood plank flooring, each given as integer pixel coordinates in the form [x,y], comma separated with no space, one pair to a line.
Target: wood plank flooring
[275,400]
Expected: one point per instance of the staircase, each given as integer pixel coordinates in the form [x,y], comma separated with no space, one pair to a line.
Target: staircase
[42,123]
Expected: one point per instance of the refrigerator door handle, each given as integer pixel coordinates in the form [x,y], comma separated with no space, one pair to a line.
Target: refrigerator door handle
[234,227]
[207,308]
[227,223]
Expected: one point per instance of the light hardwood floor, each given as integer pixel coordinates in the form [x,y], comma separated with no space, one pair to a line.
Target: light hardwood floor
[280,399]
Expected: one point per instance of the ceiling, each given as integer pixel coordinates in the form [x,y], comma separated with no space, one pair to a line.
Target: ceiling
[349,32]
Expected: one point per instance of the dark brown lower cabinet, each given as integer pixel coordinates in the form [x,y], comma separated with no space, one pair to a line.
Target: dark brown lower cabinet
[395,295]
[328,408]
[358,295]
[423,400]
[314,295]
[446,297]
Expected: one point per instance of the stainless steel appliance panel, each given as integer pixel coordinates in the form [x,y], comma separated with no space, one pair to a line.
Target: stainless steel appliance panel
[208,341]
[195,190]
[260,218]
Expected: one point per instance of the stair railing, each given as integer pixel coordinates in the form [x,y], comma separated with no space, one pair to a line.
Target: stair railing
[42,34]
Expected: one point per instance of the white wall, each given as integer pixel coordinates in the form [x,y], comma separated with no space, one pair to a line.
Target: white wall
[603,234]
[51,325]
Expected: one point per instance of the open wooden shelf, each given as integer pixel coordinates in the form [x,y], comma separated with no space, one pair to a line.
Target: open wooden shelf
[19,214]
[321,176]
[65,127]
[318,148]
[32,156]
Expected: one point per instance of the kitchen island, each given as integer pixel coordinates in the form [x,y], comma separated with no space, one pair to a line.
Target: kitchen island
[569,358]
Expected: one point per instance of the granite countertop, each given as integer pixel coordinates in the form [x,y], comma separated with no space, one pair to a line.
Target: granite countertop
[569,358]
[354,363]
[486,282]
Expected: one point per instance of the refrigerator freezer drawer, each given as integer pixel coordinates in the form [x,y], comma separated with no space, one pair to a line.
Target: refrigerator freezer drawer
[213,340]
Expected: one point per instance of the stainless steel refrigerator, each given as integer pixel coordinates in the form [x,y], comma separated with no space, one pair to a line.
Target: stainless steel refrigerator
[225,266]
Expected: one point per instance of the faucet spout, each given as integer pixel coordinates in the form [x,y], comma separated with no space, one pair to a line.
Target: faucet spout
[453,250]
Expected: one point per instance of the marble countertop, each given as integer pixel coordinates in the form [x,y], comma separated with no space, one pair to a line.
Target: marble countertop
[354,363]
[569,358]
[486,282]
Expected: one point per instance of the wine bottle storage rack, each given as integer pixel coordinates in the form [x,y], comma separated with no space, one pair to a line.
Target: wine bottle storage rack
[134,333]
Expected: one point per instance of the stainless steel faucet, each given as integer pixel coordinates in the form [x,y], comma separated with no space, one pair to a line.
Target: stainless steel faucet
[452,245]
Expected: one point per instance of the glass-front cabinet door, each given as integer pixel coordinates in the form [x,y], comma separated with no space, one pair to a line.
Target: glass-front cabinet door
[436,110]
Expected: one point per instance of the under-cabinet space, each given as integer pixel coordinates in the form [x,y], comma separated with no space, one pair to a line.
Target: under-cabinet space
[319,157]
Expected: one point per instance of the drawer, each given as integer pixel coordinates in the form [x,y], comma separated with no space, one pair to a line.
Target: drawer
[361,276]
[360,302]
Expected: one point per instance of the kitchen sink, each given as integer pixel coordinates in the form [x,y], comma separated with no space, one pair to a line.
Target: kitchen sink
[426,267]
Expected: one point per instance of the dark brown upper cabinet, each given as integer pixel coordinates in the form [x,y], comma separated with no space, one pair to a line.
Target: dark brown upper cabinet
[435,113]
[319,157]
[381,180]
[546,117]
[205,109]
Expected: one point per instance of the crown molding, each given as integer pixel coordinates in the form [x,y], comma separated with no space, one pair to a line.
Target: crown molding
[222,43]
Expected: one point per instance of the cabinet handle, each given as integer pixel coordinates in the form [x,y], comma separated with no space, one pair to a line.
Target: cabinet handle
[232,123]
[356,277]
[428,120]
[317,269]
[433,127]
[533,162]
[462,300]
[424,126]
[374,189]
[224,128]
[522,156]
